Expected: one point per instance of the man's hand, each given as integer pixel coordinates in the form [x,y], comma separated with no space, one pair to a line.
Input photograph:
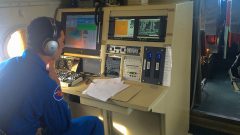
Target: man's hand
[50,67]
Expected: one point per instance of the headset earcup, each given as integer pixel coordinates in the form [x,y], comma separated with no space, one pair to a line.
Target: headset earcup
[50,47]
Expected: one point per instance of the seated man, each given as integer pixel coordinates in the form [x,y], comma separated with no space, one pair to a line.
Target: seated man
[30,92]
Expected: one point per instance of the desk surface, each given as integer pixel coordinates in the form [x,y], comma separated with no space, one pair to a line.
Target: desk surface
[143,100]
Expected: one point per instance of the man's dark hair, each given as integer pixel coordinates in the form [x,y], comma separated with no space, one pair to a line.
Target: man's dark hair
[41,29]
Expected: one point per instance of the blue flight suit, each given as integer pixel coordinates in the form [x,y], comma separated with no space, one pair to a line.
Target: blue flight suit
[30,99]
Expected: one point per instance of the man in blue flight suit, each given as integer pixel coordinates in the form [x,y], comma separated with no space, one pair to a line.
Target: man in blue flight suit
[30,95]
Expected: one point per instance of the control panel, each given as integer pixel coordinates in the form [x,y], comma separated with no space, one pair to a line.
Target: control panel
[128,50]
[68,71]
[153,65]
[134,49]
[147,68]
[112,66]
[68,63]
[117,49]
[64,64]
[132,68]
[69,78]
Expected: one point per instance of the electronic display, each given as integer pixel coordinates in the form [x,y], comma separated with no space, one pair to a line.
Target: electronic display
[124,28]
[82,35]
[138,28]
[121,28]
[81,31]
[149,28]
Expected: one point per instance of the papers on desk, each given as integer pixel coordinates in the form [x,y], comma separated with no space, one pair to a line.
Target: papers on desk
[103,89]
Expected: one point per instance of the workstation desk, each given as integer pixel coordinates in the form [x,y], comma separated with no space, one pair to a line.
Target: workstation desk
[136,97]
[170,104]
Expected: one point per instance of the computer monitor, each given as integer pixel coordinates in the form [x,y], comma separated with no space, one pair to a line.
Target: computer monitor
[82,35]
[138,28]
[121,28]
[151,28]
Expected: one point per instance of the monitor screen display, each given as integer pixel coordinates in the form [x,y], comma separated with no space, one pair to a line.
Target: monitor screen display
[124,28]
[138,28]
[81,32]
[149,28]
[82,35]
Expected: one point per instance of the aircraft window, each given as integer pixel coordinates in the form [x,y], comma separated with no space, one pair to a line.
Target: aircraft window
[16,43]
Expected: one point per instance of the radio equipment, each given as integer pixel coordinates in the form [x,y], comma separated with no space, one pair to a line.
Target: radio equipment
[69,78]
[153,65]
[128,50]
[132,68]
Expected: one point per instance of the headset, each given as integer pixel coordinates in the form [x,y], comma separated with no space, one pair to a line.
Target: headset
[50,45]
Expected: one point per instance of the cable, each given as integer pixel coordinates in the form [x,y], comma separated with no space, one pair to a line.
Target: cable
[98,11]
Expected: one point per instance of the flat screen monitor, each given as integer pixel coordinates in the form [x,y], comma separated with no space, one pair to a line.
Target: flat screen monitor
[82,35]
[124,28]
[138,28]
[121,28]
[148,28]
[151,28]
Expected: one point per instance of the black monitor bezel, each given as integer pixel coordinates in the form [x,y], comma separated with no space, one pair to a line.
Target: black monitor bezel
[82,51]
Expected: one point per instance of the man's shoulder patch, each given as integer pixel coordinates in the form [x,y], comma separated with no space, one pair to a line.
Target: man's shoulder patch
[58,95]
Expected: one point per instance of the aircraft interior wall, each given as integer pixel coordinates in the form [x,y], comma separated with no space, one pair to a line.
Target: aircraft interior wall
[16,15]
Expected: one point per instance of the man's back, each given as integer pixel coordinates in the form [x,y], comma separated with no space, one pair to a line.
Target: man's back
[10,97]
[26,91]
[30,95]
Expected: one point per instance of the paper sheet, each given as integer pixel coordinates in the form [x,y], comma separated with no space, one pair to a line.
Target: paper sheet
[167,67]
[103,89]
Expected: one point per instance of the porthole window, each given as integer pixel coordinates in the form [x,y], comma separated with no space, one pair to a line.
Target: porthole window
[16,43]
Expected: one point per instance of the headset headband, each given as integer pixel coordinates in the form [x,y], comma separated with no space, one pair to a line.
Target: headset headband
[53,23]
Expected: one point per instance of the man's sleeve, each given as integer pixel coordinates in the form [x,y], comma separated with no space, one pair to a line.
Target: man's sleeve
[57,115]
